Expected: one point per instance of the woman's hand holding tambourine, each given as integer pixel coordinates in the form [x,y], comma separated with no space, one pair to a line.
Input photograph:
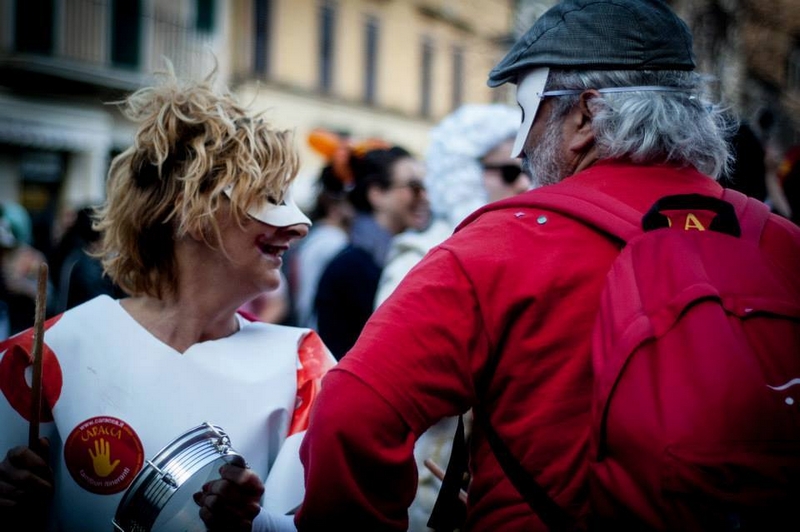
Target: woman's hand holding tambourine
[26,485]
[232,502]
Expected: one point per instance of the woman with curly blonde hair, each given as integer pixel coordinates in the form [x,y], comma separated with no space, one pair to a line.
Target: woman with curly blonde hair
[197,217]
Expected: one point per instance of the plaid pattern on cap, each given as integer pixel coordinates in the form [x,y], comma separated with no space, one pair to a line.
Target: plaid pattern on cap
[601,35]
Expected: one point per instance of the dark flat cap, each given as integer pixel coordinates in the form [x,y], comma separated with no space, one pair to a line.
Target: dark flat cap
[601,35]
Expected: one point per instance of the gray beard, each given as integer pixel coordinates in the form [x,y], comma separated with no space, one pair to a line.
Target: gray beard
[546,164]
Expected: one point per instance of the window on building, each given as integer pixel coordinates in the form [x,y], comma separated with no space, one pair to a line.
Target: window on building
[458,76]
[427,77]
[327,23]
[263,28]
[34,26]
[126,16]
[205,15]
[370,58]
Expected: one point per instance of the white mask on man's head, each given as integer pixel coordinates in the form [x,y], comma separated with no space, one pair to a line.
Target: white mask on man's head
[528,98]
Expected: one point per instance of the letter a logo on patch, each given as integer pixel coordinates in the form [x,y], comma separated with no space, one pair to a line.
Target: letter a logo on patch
[693,223]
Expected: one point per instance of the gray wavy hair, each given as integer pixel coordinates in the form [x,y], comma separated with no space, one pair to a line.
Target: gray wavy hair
[683,128]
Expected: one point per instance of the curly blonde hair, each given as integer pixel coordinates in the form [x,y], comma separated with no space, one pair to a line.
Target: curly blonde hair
[192,142]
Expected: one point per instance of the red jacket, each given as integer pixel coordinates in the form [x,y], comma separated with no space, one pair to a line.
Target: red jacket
[516,284]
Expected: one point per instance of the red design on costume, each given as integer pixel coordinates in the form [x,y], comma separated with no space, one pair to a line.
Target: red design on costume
[315,361]
[103,455]
[17,353]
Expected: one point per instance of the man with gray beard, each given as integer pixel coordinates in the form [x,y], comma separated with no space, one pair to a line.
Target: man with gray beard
[499,318]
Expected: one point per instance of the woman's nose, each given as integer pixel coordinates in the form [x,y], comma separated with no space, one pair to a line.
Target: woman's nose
[296,231]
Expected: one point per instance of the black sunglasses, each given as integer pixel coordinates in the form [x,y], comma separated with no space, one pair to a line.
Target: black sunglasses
[509,172]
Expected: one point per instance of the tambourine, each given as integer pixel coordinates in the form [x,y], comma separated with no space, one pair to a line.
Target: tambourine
[160,497]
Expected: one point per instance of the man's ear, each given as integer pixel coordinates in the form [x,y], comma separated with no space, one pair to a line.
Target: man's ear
[580,120]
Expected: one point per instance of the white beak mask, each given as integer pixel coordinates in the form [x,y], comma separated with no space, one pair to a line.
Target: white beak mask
[277,215]
[529,91]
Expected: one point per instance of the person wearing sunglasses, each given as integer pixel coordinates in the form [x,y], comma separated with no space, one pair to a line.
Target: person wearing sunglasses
[389,197]
[467,165]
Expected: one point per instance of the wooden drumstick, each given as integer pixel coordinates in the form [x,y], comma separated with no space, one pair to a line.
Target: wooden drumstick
[439,473]
[38,340]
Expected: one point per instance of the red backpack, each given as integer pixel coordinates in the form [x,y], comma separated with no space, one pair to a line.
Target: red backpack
[696,357]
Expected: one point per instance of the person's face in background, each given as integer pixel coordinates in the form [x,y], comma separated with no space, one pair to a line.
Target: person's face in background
[404,205]
[502,175]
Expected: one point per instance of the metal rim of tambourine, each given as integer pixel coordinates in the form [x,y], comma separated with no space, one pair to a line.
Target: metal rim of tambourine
[161,478]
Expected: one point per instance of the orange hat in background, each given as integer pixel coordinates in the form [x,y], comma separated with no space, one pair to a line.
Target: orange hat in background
[337,150]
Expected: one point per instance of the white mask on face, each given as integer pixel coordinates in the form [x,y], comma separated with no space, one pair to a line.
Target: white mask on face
[529,90]
[277,215]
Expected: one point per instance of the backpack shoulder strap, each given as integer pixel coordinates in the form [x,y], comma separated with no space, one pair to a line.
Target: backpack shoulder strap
[449,511]
[624,222]
[595,208]
[553,516]
[752,214]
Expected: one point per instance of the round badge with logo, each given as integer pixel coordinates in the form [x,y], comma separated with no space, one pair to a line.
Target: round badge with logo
[103,455]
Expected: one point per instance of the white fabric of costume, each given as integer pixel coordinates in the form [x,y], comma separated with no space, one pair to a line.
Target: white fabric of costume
[118,396]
